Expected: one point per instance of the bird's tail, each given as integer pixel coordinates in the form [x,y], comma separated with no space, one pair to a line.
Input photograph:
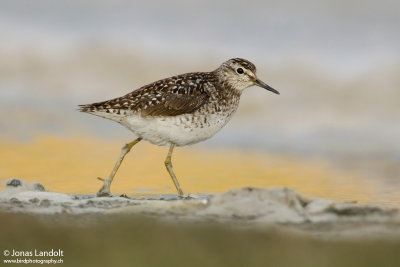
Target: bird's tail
[94,107]
[103,109]
[84,108]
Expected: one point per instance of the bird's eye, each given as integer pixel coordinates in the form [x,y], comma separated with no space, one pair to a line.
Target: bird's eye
[240,70]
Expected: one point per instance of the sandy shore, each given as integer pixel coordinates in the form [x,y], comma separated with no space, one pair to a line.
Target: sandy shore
[244,208]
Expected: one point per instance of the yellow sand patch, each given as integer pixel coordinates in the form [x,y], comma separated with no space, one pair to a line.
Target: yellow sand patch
[72,164]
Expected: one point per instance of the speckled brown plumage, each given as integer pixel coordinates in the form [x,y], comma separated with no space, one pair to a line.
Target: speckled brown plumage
[168,97]
[172,96]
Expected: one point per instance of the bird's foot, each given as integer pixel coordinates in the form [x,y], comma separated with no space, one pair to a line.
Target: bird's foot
[105,189]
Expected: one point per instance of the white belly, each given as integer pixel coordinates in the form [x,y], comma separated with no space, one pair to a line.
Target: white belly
[181,130]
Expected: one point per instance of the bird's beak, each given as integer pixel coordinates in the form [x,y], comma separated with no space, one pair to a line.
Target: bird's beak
[265,86]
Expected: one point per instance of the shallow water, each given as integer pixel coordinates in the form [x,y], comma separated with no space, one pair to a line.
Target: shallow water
[71,165]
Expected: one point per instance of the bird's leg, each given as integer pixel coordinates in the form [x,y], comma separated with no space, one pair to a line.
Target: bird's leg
[168,164]
[105,189]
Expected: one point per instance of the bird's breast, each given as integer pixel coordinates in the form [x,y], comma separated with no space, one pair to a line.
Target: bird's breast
[184,129]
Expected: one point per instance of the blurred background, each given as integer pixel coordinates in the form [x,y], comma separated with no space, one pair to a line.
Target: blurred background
[333,132]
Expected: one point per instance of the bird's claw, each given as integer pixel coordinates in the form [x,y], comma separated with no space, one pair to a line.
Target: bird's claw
[103,193]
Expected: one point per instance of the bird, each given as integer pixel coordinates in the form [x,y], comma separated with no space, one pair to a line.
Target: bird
[178,111]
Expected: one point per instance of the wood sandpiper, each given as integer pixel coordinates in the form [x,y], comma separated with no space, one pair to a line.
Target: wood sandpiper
[178,111]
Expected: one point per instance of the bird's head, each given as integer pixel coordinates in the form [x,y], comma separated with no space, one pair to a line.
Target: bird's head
[239,74]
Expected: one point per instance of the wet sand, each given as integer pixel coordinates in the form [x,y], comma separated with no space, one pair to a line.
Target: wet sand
[243,227]
[246,207]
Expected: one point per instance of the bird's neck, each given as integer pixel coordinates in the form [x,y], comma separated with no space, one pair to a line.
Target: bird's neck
[224,85]
[227,94]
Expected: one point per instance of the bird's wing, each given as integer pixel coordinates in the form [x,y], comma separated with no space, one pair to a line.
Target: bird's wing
[171,104]
[168,97]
